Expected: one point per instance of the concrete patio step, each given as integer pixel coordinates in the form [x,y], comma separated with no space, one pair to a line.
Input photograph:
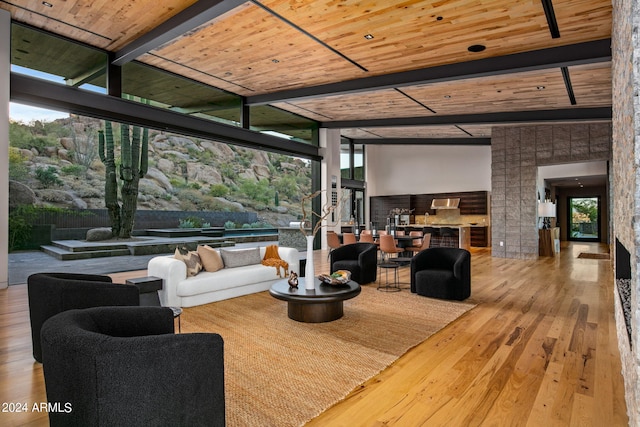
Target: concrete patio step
[65,255]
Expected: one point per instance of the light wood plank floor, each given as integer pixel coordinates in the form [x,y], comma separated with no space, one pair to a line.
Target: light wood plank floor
[539,349]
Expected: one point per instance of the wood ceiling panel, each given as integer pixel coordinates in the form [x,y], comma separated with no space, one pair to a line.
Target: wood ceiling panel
[515,92]
[254,52]
[592,84]
[477,131]
[106,24]
[409,35]
[415,132]
[368,105]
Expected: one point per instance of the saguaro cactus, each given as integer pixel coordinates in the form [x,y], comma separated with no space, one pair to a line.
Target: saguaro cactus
[106,153]
[134,160]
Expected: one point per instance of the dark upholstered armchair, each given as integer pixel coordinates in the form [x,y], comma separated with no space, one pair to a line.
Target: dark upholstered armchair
[52,293]
[358,258]
[124,366]
[442,273]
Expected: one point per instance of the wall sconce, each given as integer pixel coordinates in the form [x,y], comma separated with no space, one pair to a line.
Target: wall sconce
[546,210]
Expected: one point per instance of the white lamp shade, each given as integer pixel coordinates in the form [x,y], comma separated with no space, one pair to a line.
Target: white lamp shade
[547,210]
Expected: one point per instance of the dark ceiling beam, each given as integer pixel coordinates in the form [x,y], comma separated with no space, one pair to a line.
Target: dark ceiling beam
[45,94]
[561,56]
[551,18]
[422,141]
[567,84]
[571,114]
[192,17]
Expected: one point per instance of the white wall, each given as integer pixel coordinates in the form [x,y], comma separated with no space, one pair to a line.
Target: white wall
[416,169]
[330,167]
[5,69]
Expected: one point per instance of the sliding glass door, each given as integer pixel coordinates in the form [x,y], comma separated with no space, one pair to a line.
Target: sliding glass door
[584,218]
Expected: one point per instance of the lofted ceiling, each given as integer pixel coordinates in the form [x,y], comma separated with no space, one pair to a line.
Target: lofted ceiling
[387,70]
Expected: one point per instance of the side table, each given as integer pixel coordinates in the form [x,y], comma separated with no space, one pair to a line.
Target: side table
[148,287]
[389,287]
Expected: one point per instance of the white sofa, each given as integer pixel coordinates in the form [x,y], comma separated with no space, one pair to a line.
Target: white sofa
[178,290]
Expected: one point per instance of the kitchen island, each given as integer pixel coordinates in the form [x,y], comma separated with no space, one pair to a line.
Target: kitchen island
[454,235]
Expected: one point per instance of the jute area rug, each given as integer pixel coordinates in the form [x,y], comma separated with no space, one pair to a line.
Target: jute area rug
[279,372]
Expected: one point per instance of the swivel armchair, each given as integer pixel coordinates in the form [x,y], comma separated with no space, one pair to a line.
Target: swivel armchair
[358,258]
[442,273]
[124,366]
[52,293]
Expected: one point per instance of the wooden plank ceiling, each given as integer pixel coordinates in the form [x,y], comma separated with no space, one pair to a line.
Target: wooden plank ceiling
[273,47]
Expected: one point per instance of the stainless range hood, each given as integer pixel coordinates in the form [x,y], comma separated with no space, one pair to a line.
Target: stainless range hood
[445,203]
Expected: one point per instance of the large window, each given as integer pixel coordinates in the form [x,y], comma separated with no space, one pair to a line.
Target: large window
[36,53]
[352,173]
[351,160]
[180,94]
[45,56]
[584,218]
[56,156]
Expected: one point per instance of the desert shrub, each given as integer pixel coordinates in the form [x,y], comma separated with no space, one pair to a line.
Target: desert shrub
[75,169]
[197,222]
[22,219]
[288,187]
[186,223]
[218,190]
[18,170]
[229,225]
[227,171]
[260,191]
[48,177]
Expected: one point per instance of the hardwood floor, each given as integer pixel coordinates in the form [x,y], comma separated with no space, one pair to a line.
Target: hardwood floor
[539,349]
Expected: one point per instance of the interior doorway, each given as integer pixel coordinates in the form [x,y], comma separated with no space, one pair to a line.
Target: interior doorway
[584,218]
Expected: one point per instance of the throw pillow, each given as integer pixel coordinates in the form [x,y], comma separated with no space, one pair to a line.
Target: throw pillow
[191,259]
[211,260]
[240,257]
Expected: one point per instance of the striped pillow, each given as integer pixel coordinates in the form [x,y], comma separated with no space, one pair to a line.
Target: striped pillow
[191,259]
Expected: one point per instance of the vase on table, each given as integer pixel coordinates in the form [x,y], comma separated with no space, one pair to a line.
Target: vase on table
[309,273]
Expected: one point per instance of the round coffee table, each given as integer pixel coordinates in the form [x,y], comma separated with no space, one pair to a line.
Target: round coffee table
[322,304]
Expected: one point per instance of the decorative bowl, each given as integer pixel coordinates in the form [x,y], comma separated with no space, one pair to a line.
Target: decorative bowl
[339,277]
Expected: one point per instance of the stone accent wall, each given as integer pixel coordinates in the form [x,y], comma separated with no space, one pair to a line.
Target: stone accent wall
[516,153]
[626,185]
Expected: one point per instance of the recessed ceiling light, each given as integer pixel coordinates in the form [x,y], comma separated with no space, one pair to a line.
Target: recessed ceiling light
[46,3]
[540,87]
[368,36]
[447,97]
[476,48]
[275,61]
